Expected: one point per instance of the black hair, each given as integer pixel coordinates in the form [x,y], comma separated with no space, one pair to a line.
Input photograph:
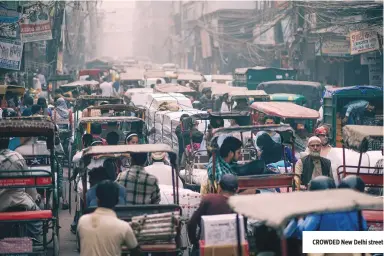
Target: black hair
[197,137]
[139,158]
[183,116]
[97,175]
[113,138]
[321,183]
[28,101]
[216,122]
[230,144]
[128,138]
[107,192]
[158,81]
[269,117]
[353,182]
[42,102]
[87,140]
[96,129]
[35,109]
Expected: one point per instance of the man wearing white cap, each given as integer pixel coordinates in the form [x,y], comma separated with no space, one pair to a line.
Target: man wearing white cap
[312,165]
[160,170]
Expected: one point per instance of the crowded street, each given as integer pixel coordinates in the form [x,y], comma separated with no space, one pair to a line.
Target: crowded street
[191,128]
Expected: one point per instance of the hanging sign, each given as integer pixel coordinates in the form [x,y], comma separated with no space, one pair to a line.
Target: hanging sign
[35,24]
[363,41]
[11,52]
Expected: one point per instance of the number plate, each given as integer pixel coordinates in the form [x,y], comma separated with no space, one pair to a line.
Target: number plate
[38,161]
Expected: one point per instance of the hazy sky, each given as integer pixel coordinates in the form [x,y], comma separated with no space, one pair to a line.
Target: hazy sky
[117,27]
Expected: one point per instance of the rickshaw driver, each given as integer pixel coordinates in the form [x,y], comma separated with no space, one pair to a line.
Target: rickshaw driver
[102,233]
[312,165]
[113,127]
[206,100]
[19,198]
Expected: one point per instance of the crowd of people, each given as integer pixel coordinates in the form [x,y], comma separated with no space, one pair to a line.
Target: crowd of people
[137,180]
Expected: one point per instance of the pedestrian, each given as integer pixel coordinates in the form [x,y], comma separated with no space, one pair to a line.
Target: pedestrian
[312,165]
[106,88]
[212,204]
[206,100]
[42,80]
[102,233]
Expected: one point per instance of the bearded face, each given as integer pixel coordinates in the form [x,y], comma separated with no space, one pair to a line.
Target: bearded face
[315,149]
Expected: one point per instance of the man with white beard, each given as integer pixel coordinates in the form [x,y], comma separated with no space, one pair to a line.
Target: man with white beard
[312,165]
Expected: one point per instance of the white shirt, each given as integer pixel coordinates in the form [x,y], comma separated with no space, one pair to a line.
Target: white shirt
[101,233]
[36,83]
[162,172]
[107,89]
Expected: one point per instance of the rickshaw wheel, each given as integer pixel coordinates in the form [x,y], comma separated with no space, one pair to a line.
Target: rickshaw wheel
[56,246]
[77,242]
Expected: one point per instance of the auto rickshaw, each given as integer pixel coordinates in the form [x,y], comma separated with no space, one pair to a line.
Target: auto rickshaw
[186,78]
[94,74]
[251,77]
[170,245]
[278,209]
[10,91]
[312,91]
[132,77]
[221,79]
[211,85]
[362,138]
[301,119]
[334,102]
[120,110]
[13,219]
[288,97]
[79,85]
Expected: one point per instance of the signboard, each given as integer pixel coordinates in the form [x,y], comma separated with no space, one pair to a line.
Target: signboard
[370,58]
[11,52]
[8,15]
[35,24]
[375,75]
[332,48]
[9,30]
[363,41]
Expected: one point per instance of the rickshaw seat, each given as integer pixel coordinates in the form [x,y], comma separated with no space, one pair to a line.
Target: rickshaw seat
[26,215]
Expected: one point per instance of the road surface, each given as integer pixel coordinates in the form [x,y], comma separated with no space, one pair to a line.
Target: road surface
[67,239]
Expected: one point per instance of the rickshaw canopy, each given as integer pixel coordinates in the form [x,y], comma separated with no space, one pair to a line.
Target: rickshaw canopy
[330,91]
[224,115]
[153,73]
[221,78]
[167,88]
[285,110]
[98,98]
[235,94]
[312,91]
[19,90]
[27,127]
[279,208]
[117,107]
[357,137]
[221,90]
[80,83]
[189,77]
[132,75]
[290,97]
[106,119]
[285,131]
[211,85]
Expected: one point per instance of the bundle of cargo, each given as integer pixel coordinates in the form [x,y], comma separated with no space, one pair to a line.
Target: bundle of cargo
[161,227]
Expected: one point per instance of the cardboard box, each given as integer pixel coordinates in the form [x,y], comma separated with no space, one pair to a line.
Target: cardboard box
[221,229]
[222,250]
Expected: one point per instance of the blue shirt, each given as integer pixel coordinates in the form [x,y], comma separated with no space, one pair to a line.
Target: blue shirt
[92,200]
[341,221]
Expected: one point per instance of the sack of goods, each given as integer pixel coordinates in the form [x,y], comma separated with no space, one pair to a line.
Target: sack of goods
[161,227]
[168,106]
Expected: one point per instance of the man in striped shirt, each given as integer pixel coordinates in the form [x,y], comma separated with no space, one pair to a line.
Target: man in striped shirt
[141,187]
